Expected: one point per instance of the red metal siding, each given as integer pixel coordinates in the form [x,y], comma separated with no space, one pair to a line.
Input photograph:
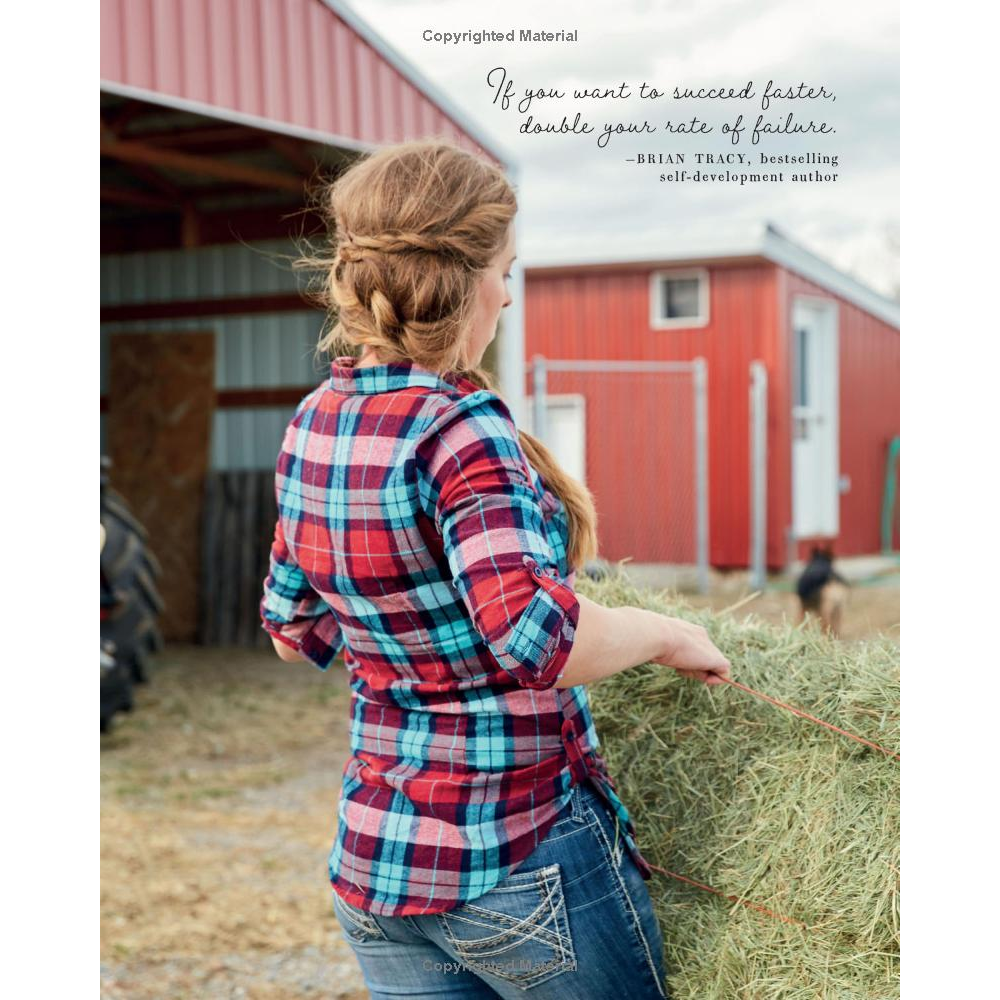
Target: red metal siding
[291,61]
[869,416]
[598,315]
[606,316]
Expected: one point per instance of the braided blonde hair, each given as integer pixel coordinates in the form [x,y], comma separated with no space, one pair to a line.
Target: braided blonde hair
[412,228]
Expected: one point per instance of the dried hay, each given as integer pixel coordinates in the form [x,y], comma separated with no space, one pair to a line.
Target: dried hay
[761,804]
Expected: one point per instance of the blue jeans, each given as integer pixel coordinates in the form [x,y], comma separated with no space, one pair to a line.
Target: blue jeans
[574,920]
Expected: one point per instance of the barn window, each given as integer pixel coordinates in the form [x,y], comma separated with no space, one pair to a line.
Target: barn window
[679,298]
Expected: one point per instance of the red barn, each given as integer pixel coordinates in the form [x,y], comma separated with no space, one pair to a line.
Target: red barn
[214,119]
[830,348]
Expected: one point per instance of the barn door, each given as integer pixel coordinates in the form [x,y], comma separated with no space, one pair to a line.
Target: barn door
[160,399]
[815,419]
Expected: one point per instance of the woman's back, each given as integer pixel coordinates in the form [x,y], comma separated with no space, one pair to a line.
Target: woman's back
[414,535]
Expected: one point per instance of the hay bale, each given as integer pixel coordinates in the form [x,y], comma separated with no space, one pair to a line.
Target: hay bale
[754,801]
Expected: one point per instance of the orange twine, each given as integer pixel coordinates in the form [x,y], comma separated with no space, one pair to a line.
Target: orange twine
[811,718]
[804,715]
[735,899]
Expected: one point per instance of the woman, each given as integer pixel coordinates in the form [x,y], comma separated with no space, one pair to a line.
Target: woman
[481,846]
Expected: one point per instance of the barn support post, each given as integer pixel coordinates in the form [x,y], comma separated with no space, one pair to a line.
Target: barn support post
[700,368]
[889,495]
[510,342]
[539,398]
[758,475]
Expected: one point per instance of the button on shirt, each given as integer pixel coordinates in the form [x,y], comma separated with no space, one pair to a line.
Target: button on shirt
[414,537]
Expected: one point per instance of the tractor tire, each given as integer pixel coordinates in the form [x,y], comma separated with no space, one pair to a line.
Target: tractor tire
[130,599]
[116,687]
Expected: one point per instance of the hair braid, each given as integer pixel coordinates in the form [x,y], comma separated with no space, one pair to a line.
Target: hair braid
[413,226]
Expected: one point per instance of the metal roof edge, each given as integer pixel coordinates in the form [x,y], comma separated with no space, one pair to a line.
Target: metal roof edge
[357,24]
[631,263]
[780,249]
[770,244]
[692,253]
[235,117]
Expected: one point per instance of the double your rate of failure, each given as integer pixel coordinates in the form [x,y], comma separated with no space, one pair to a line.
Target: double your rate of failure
[695,127]
[505,91]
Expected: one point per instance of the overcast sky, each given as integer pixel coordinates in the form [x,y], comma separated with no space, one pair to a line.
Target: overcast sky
[583,202]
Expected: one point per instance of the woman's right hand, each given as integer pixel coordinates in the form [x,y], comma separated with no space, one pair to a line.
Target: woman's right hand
[688,649]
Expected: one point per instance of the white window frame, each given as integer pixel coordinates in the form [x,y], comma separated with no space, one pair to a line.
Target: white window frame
[658,322]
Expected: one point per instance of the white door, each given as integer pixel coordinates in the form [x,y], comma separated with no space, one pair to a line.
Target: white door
[815,419]
[566,431]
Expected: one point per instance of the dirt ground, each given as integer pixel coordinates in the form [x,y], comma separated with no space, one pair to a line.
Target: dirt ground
[871,608]
[218,811]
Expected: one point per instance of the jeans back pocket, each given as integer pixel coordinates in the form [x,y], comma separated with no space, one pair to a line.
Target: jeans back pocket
[358,925]
[518,931]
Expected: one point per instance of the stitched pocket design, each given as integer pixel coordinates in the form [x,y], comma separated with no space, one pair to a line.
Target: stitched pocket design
[357,925]
[517,932]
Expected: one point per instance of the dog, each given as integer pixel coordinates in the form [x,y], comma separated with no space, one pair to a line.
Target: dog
[822,590]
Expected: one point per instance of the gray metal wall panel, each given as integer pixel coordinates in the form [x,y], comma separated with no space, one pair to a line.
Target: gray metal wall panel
[259,268]
[259,350]
[268,349]
[248,439]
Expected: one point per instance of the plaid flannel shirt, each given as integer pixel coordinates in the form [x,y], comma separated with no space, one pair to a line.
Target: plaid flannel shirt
[414,537]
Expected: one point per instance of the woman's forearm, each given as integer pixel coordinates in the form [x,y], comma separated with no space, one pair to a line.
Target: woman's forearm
[609,640]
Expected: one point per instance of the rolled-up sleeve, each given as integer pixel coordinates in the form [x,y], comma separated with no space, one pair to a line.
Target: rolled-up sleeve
[476,486]
[293,612]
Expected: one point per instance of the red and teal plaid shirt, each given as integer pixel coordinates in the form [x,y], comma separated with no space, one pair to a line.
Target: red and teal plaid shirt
[414,536]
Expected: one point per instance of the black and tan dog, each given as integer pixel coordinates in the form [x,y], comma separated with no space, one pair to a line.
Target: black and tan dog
[822,590]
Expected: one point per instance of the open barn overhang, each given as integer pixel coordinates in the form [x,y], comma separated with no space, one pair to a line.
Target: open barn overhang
[221,123]
[176,178]
[216,118]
